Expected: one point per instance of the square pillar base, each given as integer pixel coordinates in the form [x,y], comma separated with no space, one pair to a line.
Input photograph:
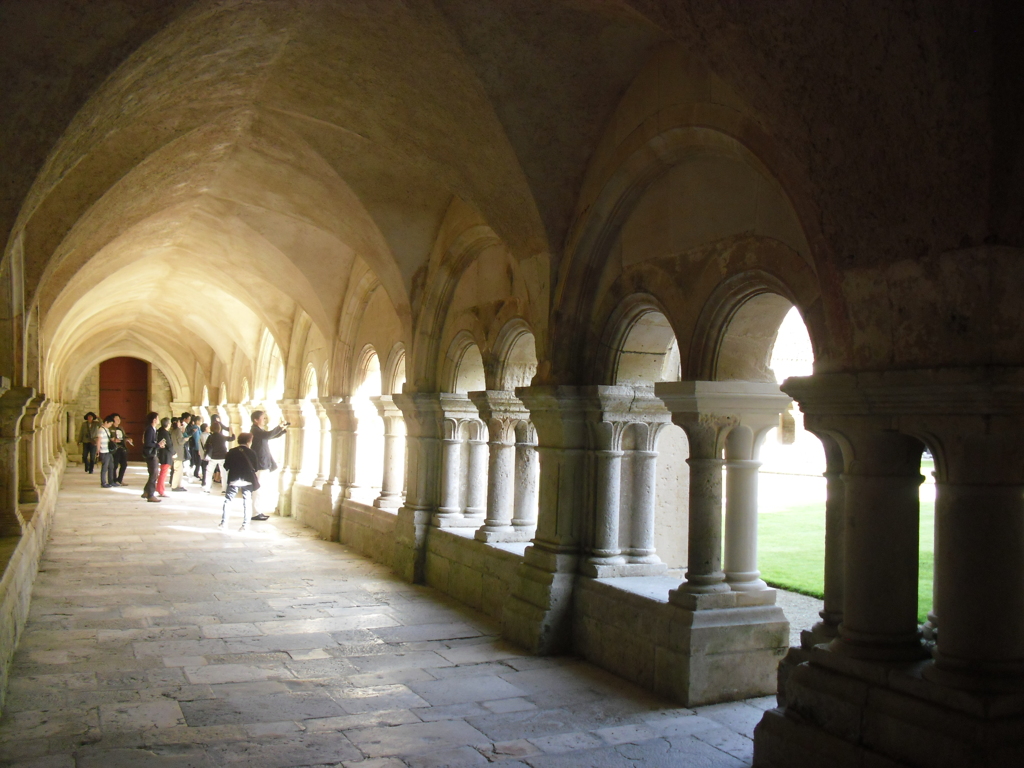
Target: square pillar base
[722,654]
[538,611]
[842,712]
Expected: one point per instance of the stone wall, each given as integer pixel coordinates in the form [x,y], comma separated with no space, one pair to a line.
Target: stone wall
[88,397]
[477,574]
[159,392]
[19,558]
[315,509]
[369,531]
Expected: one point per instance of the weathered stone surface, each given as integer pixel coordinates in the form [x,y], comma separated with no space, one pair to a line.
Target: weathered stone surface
[439,688]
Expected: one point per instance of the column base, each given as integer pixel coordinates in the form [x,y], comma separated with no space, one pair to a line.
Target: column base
[821,633]
[455,521]
[503,534]
[388,502]
[411,544]
[538,611]
[614,570]
[839,711]
[722,654]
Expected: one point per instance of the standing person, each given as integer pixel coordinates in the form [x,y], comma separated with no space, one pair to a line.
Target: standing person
[88,441]
[178,457]
[202,435]
[216,452]
[165,454]
[188,427]
[121,441]
[241,469]
[195,446]
[103,449]
[261,447]
[151,446]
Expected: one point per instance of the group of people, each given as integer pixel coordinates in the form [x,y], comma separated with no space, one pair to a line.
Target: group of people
[169,445]
[105,443]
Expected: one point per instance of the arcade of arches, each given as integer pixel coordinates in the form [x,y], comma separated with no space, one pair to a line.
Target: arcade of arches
[514,273]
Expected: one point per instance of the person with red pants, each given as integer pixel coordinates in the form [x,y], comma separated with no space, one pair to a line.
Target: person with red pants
[165,454]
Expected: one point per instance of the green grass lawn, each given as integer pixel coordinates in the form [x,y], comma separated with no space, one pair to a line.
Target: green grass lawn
[791,551]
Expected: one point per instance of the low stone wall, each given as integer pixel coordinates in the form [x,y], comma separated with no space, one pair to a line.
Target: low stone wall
[19,558]
[315,509]
[369,531]
[477,574]
[694,658]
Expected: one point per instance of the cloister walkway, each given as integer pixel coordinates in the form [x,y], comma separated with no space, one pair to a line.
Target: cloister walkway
[156,640]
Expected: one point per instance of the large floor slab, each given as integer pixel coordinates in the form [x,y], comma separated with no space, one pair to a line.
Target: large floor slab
[157,640]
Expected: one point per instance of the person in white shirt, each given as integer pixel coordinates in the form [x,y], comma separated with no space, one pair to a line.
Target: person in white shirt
[103,448]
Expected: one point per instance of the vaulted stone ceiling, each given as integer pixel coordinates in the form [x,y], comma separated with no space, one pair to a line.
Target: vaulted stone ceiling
[252,153]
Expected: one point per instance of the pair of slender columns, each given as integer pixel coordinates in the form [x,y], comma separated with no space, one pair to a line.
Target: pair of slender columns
[392,487]
[463,499]
[972,421]
[622,540]
[512,468]
[730,417]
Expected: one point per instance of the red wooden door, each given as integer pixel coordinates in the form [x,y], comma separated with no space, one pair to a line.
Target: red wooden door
[124,389]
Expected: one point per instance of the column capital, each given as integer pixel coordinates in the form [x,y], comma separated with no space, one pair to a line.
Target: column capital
[501,411]
[708,410]
[13,403]
[611,409]
[558,414]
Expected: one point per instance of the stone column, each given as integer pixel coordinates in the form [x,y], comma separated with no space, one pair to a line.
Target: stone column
[28,458]
[831,614]
[742,447]
[605,554]
[979,553]
[644,497]
[623,513]
[324,459]
[393,479]
[424,421]
[524,510]
[882,482]
[342,463]
[501,412]
[451,474]
[13,403]
[291,411]
[476,474]
[456,413]
[538,611]
[234,420]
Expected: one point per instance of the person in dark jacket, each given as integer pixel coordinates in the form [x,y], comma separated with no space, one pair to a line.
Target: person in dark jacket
[216,452]
[87,437]
[151,446]
[121,443]
[261,437]
[241,468]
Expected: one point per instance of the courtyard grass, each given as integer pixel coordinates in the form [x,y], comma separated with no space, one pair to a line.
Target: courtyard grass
[791,550]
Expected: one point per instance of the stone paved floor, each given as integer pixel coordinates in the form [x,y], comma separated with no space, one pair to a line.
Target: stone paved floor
[156,640]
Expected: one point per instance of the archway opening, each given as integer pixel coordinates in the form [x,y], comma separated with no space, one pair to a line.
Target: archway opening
[369,459]
[647,354]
